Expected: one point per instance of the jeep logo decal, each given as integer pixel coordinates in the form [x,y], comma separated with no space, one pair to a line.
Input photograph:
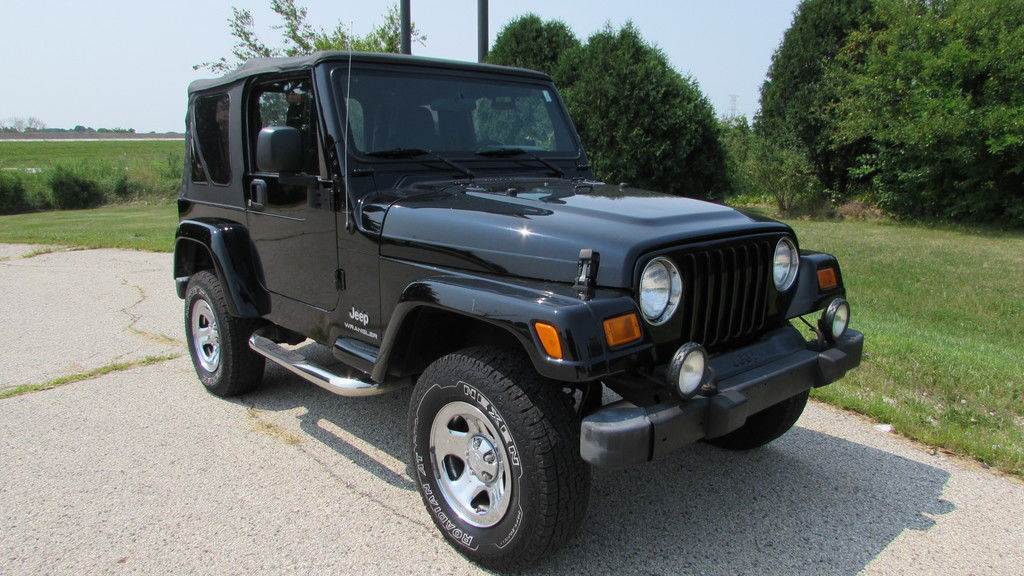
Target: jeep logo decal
[361,317]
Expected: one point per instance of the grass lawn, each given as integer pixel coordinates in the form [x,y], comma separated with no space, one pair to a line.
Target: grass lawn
[943,320]
[38,155]
[940,308]
[143,226]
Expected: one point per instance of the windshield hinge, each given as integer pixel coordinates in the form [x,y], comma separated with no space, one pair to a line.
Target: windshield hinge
[586,273]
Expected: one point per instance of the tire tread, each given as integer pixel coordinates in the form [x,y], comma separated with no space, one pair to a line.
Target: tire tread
[241,369]
[563,479]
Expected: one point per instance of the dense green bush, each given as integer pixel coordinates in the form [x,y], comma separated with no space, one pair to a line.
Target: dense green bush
[762,170]
[787,175]
[796,97]
[937,88]
[12,194]
[70,189]
[737,143]
[529,42]
[641,121]
[172,168]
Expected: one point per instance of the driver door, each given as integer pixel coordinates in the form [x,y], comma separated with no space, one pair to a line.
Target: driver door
[291,220]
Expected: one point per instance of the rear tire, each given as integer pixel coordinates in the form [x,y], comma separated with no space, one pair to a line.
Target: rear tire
[496,455]
[765,426]
[219,342]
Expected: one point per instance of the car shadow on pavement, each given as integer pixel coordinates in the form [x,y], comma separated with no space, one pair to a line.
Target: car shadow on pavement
[809,503]
[378,421]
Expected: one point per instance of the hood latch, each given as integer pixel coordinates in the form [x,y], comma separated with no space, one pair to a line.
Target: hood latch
[586,273]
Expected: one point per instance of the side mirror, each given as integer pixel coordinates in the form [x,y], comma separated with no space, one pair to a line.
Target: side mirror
[279,149]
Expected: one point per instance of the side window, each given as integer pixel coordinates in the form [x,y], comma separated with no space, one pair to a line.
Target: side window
[210,139]
[287,103]
[356,123]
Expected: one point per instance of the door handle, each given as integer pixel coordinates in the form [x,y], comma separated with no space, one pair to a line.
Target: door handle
[257,194]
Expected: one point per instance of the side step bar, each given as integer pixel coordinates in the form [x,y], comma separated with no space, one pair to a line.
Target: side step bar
[299,364]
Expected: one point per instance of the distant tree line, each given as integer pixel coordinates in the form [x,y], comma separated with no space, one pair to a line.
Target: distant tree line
[29,124]
[33,124]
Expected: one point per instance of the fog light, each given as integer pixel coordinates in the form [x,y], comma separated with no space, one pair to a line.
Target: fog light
[688,369]
[835,319]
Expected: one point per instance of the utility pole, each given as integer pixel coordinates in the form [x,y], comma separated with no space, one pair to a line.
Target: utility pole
[481,30]
[406,27]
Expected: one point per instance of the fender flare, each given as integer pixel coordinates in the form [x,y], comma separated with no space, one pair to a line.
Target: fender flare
[513,308]
[229,248]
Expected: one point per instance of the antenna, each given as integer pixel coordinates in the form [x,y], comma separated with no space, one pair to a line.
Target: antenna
[348,89]
[733,100]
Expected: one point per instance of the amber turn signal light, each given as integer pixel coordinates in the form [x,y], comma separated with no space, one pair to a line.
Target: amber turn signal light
[549,339]
[827,279]
[622,329]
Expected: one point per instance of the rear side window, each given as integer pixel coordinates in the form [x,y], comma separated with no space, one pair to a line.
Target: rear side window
[210,139]
[287,103]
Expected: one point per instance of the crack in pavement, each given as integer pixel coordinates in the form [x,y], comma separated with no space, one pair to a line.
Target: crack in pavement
[12,391]
[136,318]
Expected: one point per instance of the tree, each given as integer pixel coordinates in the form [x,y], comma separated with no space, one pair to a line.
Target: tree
[529,42]
[33,124]
[795,98]
[937,87]
[641,121]
[299,37]
[17,124]
[738,143]
[775,169]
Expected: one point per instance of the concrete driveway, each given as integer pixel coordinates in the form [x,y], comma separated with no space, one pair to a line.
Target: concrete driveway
[141,471]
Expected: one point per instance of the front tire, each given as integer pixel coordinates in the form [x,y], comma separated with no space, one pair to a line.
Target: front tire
[765,426]
[219,342]
[496,455]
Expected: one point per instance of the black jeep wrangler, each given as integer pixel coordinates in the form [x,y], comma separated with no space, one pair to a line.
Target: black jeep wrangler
[436,224]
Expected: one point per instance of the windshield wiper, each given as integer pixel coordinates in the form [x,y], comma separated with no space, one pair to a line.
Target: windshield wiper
[416,152]
[514,151]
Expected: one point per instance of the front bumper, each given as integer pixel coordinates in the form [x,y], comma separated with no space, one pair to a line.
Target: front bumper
[749,379]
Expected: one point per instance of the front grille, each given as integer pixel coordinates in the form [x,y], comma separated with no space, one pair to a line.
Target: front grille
[725,296]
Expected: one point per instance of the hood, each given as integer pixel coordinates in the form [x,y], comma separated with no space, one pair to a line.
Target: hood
[535,228]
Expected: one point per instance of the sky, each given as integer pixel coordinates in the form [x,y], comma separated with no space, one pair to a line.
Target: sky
[127,63]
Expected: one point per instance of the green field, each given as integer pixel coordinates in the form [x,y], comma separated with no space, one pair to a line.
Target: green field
[120,170]
[941,310]
[39,155]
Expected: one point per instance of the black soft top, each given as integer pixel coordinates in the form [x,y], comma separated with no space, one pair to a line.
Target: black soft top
[257,66]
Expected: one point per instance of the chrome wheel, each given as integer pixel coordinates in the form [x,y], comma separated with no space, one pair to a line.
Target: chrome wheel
[471,464]
[205,336]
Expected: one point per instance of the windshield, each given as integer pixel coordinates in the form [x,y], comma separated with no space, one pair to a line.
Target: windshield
[452,114]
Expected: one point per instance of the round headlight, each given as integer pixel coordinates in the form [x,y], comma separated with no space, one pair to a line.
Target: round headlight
[787,262]
[661,288]
[835,319]
[688,369]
